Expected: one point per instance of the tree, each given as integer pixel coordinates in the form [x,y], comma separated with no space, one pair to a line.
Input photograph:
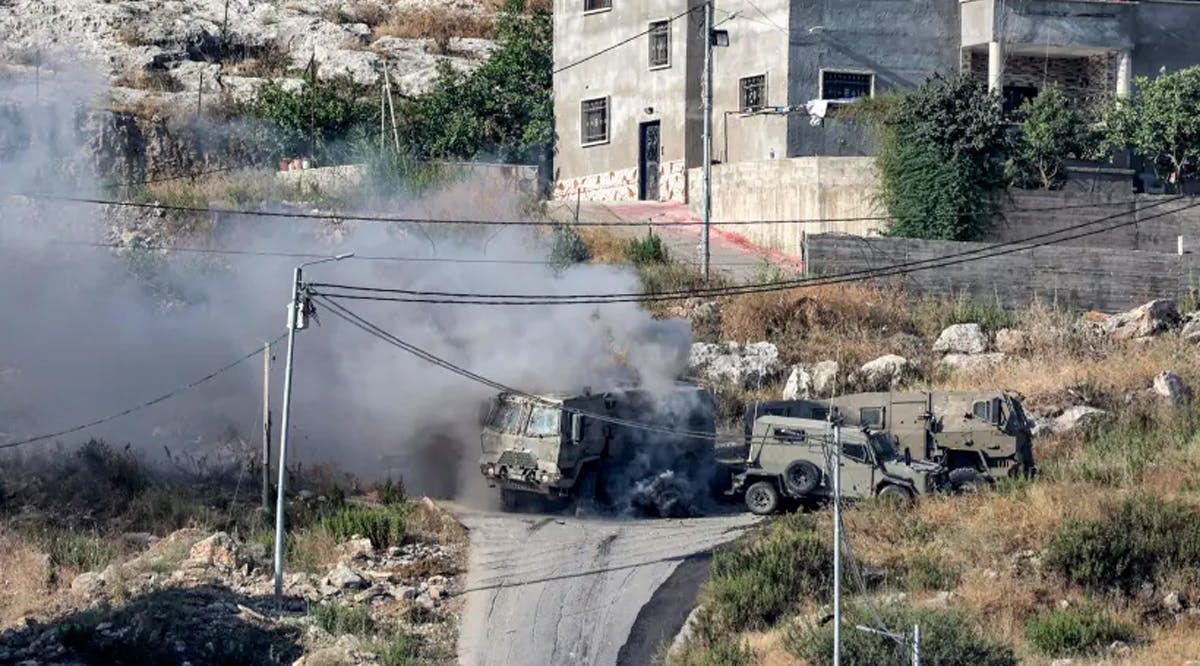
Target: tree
[1053,131]
[503,108]
[941,160]
[1161,122]
[322,119]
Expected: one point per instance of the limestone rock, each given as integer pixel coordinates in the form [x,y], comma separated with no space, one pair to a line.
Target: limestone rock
[88,584]
[825,378]
[1175,602]
[972,362]
[1011,341]
[356,550]
[1150,319]
[744,366]
[1171,386]
[1191,327]
[961,339]
[1078,418]
[218,550]
[884,373]
[343,577]
[799,384]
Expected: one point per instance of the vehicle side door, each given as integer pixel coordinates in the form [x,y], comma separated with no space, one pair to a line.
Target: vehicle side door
[858,472]
[907,419]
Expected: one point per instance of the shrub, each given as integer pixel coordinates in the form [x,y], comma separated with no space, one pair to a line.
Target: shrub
[1054,130]
[648,250]
[1121,452]
[323,119]
[72,550]
[568,247]
[1158,122]
[384,526]
[390,493]
[338,619]
[724,653]
[757,582]
[399,651]
[929,572]
[947,637]
[1138,540]
[1074,631]
[941,160]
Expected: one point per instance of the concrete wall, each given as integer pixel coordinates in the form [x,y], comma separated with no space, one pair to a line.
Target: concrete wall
[1166,36]
[1156,222]
[487,179]
[1095,278]
[901,43]
[782,191]
[625,77]
[758,44]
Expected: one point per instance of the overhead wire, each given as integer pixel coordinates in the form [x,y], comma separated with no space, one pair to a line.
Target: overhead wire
[621,43]
[986,252]
[149,403]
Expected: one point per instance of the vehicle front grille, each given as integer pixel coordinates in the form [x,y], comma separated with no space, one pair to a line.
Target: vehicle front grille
[517,460]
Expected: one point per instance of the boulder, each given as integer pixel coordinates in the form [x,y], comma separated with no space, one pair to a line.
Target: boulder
[825,378]
[1078,418]
[1171,386]
[345,578]
[1191,327]
[972,362]
[799,384]
[1175,602]
[884,373]
[1153,318]
[961,339]
[218,550]
[744,366]
[356,549]
[88,584]
[1011,341]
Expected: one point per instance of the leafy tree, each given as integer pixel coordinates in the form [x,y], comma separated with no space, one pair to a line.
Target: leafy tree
[1161,122]
[1054,131]
[503,108]
[942,160]
[323,119]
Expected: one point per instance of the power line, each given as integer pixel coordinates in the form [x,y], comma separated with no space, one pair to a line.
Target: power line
[361,323]
[144,405]
[622,42]
[990,251]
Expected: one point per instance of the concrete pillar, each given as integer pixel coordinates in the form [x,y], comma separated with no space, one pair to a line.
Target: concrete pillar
[1124,73]
[995,67]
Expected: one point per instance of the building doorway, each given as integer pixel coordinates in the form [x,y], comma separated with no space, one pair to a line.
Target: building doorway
[650,149]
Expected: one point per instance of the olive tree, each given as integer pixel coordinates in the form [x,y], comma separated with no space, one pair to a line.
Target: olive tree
[1054,131]
[1160,122]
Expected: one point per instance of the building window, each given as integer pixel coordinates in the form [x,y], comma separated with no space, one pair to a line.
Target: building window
[596,5]
[753,92]
[872,417]
[595,121]
[845,85]
[660,44]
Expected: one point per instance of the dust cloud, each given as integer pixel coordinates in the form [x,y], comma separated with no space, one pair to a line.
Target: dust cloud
[87,331]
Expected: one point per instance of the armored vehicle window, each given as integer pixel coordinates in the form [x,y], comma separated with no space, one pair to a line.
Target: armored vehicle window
[871,416]
[820,413]
[885,448]
[790,435]
[508,417]
[982,410]
[854,451]
[543,421]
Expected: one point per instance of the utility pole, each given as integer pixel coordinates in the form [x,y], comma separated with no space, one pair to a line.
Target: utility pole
[708,104]
[837,540]
[266,425]
[296,320]
[916,649]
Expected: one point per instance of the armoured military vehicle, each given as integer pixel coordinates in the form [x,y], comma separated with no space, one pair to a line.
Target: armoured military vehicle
[622,448]
[982,431]
[789,460]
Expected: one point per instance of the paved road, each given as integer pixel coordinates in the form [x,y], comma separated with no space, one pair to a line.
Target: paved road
[564,590]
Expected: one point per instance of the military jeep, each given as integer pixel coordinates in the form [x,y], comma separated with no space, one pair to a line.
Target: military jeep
[789,461]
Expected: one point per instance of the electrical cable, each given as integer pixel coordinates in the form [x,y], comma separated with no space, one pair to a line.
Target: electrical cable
[987,252]
[359,322]
[144,405]
[622,42]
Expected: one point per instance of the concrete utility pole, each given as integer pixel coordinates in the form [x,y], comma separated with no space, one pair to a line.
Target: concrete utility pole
[296,320]
[708,104]
[266,424]
[837,541]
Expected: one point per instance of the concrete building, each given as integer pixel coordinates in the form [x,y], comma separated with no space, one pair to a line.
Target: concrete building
[628,105]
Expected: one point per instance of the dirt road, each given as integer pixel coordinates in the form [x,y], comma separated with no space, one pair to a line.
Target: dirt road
[564,590]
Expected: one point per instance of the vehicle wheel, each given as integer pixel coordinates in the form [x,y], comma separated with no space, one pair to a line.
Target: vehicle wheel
[897,494]
[510,500]
[762,498]
[801,478]
[967,480]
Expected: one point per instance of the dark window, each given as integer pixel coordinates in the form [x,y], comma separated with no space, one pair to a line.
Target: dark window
[845,85]
[1015,96]
[593,5]
[753,92]
[871,417]
[855,451]
[982,410]
[595,120]
[660,44]
[790,436]
[820,413]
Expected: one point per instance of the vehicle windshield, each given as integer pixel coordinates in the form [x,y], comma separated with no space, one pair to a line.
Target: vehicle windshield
[543,421]
[883,446]
[507,417]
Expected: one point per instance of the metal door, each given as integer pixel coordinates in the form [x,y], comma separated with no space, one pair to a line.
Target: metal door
[650,149]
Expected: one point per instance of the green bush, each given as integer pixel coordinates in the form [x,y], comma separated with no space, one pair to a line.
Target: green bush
[941,160]
[948,638]
[73,550]
[1119,453]
[568,247]
[724,653]
[399,651]
[338,619]
[1139,540]
[760,580]
[649,249]
[384,526]
[323,119]
[391,493]
[1075,631]
[929,572]
[1053,131]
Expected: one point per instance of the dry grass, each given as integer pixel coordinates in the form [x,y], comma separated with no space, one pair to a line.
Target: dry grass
[439,24]
[769,650]
[606,246]
[24,578]
[156,81]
